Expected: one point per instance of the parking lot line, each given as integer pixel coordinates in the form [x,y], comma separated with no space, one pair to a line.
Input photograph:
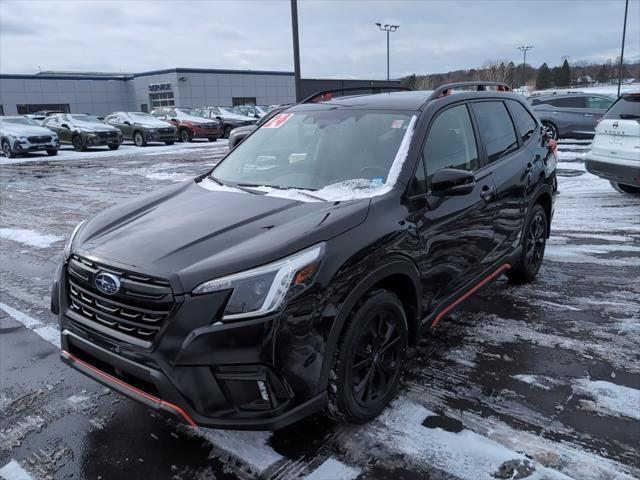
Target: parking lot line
[13,471]
[46,332]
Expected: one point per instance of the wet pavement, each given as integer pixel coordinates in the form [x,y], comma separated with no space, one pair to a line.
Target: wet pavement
[535,381]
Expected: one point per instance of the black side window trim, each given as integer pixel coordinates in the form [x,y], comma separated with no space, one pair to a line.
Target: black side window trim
[517,127]
[479,146]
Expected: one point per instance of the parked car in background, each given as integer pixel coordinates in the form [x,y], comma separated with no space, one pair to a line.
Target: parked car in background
[82,131]
[296,274]
[256,111]
[237,135]
[190,124]
[142,128]
[42,114]
[20,135]
[615,151]
[229,119]
[570,115]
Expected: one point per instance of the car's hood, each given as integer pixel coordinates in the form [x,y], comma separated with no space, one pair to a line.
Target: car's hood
[94,127]
[239,118]
[24,130]
[190,234]
[247,129]
[152,124]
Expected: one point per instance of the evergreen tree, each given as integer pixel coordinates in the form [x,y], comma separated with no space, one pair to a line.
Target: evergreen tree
[603,74]
[543,80]
[509,78]
[555,76]
[564,78]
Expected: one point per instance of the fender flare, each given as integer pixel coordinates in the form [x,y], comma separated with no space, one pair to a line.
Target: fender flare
[396,265]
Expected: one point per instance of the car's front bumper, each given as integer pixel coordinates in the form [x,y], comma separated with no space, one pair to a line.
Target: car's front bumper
[207,132]
[622,171]
[162,136]
[208,373]
[24,146]
[100,141]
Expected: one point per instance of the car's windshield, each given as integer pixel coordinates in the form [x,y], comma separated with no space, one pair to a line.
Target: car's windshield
[189,111]
[314,150]
[84,118]
[21,121]
[142,115]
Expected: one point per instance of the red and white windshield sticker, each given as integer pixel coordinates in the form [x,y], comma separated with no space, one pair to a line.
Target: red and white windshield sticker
[278,120]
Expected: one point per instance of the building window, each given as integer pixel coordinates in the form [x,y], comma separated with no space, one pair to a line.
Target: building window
[144,108]
[161,99]
[25,109]
[241,101]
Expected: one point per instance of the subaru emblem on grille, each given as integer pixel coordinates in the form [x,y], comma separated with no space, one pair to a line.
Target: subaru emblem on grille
[107,283]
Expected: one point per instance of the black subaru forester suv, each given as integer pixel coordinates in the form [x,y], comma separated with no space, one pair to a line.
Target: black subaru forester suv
[295,275]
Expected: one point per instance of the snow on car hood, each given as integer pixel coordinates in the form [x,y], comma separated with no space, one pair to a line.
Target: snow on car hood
[353,189]
[24,130]
[152,124]
[94,127]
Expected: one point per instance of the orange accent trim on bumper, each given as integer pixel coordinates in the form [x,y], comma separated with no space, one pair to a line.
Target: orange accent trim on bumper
[110,378]
[504,267]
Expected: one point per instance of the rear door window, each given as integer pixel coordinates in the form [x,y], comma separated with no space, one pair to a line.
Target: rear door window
[599,102]
[496,129]
[625,108]
[569,102]
[451,142]
[523,119]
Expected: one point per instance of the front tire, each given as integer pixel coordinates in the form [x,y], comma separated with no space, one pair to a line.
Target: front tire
[52,152]
[369,361]
[622,188]
[213,139]
[138,139]
[169,142]
[550,129]
[533,245]
[6,150]
[114,146]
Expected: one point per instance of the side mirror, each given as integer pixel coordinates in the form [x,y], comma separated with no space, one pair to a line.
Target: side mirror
[64,125]
[452,182]
[219,118]
[127,122]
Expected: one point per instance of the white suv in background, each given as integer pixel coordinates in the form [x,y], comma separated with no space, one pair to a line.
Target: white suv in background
[615,151]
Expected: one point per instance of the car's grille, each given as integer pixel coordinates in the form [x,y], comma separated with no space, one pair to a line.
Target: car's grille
[42,139]
[108,134]
[139,309]
[165,130]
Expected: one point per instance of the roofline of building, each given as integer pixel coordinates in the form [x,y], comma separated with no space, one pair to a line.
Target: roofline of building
[125,77]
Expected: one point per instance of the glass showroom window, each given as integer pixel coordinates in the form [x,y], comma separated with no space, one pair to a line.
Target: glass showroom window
[161,99]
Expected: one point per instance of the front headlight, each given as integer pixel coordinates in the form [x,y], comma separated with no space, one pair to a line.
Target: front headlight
[69,245]
[262,290]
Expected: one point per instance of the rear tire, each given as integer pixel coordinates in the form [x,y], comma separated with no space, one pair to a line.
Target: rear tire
[138,139]
[6,149]
[169,143]
[76,141]
[213,139]
[622,188]
[369,360]
[52,152]
[533,244]
[114,146]
[184,136]
[551,130]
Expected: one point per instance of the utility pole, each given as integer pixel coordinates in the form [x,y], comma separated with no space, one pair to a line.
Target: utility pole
[524,49]
[387,28]
[624,33]
[296,49]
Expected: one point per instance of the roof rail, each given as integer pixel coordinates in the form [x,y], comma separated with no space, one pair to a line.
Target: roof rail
[326,95]
[444,90]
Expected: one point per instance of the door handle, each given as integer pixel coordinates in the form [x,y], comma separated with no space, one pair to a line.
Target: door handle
[529,168]
[588,115]
[555,113]
[487,192]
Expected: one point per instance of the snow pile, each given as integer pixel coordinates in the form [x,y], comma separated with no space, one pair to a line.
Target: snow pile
[29,237]
[609,398]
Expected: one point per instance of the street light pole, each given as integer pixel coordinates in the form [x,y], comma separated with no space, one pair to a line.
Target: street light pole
[296,49]
[387,28]
[524,49]
[624,33]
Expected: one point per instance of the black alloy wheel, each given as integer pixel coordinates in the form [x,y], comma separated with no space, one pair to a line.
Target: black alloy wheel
[533,246]
[550,130]
[369,362]
[138,139]
[76,141]
[6,149]
[184,135]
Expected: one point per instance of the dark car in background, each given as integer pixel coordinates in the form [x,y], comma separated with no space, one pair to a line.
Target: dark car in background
[229,119]
[142,128]
[295,275]
[20,135]
[237,135]
[190,124]
[570,115]
[82,131]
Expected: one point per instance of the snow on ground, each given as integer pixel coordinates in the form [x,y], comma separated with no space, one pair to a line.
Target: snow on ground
[601,89]
[332,469]
[67,153]
[29,237]
[608,398]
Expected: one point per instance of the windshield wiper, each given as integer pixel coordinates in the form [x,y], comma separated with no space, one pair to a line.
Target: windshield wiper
[303,192]
[236,185]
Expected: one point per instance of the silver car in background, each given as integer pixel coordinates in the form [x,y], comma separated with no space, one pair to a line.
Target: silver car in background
[21,135]
[570,115]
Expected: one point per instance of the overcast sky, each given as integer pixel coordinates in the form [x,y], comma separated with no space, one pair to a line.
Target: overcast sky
[338,39]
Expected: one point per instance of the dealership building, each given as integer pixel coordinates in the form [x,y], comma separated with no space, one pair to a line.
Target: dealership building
[103,93]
